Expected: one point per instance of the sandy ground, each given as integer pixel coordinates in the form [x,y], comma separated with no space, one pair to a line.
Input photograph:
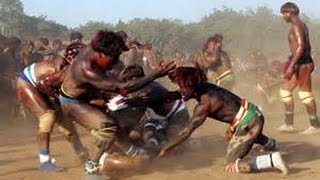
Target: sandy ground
[203,160]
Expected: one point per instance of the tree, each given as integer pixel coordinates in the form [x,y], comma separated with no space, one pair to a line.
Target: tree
[11,16]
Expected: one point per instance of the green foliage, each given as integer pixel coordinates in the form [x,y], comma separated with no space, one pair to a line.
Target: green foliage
[243,31]
[90,28]
[13,22]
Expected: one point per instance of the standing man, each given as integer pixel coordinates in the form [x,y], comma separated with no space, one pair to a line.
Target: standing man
[44,49]
[217,62]
[133,56]
[297,71]
[149,63]
[76,37]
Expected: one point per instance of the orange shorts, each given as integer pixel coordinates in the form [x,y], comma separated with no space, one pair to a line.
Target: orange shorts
[301,76]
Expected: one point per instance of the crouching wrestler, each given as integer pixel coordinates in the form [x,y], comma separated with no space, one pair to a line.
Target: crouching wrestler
[245,119]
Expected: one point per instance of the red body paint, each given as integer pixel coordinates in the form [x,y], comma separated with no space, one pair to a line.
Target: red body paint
[101,61]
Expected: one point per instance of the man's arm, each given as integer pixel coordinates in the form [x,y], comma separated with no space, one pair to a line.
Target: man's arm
[213,58]
[198,61]
[298,32]
[112,84]
[49,84]
[225,58]
[198,118]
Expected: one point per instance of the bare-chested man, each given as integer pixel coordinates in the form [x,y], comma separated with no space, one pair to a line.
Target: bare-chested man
[297,71]
[133,56]
[57,48]
[149,63]
[76,37]
[217,63]
[89,73]
[44,49]
[245,119]
[35,87]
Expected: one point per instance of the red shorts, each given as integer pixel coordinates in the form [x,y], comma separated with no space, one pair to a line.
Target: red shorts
[302,73]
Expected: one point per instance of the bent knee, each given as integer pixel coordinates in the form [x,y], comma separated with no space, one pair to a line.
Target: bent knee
[46,121]
[105,133]
[285,95]
[306,97]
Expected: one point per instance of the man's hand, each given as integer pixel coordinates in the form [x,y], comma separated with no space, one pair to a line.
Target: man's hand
[289,72]
[44,86]
[164,69]
[162,153]
[218,45]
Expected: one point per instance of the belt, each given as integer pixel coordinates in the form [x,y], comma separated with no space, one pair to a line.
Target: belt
[64,93]
[246,113]
[223,75]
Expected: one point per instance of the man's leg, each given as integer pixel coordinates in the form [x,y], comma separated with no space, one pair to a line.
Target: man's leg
[240,145]
[286,96]
[306,97]
[39,107]
[268,143]
[69,131]
[102,128]
[118,163]
[178,122]
[124,156]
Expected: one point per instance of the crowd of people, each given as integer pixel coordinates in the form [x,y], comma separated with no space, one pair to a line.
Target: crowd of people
[107,86]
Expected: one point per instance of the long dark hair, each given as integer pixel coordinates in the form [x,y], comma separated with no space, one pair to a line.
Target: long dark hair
[189,76]
[108,43]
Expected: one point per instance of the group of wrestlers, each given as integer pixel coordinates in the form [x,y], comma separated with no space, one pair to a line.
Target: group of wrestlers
[134,119]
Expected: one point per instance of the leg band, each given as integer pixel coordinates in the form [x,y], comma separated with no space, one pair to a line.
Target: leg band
[286,96]
[306,97]
[104,134]
[46,121]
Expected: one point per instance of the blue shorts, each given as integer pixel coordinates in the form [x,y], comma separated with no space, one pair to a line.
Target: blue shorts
[67,100]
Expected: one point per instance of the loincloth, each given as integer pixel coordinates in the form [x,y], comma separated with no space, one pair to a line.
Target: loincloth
[245,128]
[246,114]
[65,98]
[28,75]
[226,76]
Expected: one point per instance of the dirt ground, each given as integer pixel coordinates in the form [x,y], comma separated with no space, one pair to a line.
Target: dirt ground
[203,159]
